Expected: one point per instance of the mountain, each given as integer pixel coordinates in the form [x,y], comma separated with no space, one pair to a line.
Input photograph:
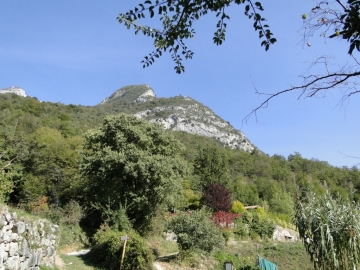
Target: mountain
[179,113]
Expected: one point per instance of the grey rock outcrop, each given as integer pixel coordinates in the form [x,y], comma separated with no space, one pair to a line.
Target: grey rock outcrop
[281,234]
[13,90]
[194,118]
[26,244]
[177,113]
[146,94]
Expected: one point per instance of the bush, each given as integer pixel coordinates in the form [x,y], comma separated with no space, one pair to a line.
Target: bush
[223,256]
[195,231]
[72,213]
[244,263]
[263,226]
[242,229]
[73,234]
[237,207]
[255,224]
[218,197]
[224,219]
[108,247]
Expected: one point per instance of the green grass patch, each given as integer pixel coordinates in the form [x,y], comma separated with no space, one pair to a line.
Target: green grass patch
[160,246]
[78,263]
[286,255]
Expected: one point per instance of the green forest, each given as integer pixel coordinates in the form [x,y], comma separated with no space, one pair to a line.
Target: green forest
[100,173]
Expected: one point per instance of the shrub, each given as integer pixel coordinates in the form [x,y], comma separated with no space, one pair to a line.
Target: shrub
[263,226]
[238,207]
[108,248]
[72,234]
[224,219]
[218,197]
[191,199]
[222,256]
[195,231]
[72,213]
[245,263]
[255,224]
[242,229]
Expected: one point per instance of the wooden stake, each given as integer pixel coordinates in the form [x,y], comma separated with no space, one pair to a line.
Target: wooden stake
[123,254]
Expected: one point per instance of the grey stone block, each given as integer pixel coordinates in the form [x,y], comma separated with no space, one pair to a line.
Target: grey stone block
[2,220]
[13,263]
[14,216]
[14,237]
[19,228]
[14,248]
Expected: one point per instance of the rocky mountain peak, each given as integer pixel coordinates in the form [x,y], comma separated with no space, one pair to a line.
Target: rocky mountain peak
[13,90]
[132,93]
[177,113]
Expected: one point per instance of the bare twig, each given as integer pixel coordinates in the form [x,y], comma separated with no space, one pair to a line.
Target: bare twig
[348,156]
[311,88]
[341,4]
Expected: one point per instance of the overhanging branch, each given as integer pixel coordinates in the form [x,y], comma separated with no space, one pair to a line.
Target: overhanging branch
[312,86]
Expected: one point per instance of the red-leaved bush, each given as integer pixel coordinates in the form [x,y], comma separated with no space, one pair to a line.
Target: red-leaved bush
[218,197]
[224,219]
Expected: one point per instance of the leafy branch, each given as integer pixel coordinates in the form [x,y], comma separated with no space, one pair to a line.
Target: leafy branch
[343,23]
[178,16]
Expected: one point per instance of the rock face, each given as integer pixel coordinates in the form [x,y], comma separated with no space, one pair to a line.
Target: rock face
[13,90]
[281,234]
[178,113]
[26,244]
[132,93]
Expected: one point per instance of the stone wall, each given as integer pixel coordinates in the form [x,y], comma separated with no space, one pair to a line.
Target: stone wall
[26,244]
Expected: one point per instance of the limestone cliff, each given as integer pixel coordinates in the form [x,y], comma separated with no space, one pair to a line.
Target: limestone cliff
[177,113]
[13,90]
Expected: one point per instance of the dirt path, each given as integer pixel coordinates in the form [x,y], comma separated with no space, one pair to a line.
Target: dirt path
[158,266]
[59,262]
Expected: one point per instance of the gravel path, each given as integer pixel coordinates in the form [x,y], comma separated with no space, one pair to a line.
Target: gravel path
[158,266]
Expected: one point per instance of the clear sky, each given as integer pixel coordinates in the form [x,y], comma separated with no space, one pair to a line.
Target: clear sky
[75,51]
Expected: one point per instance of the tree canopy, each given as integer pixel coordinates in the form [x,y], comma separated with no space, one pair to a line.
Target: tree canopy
[211,165]
[133,164]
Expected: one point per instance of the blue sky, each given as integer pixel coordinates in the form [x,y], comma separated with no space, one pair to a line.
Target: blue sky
[74,51]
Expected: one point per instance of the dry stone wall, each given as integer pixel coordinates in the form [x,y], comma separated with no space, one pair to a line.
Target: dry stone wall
[26,244]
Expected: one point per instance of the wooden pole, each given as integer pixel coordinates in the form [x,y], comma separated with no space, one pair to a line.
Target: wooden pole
[123,254]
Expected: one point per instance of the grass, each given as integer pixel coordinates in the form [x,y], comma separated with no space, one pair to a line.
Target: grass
[160,246]
[286,255]
[77,263]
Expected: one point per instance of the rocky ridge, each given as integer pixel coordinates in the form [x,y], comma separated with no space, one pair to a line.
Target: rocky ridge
[180,114]
[177,113]
[13,90]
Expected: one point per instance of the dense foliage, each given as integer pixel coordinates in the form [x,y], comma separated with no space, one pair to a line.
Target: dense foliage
[211,166]
[50,138]
[217,197]
[330,227]
[107,250]
[131,163]
[195,231]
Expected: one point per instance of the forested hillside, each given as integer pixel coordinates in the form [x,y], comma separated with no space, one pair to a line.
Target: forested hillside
[42,148]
